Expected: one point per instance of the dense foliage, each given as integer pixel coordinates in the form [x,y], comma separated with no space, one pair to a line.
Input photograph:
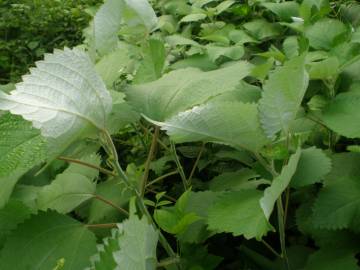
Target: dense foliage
[198,134]
[30,28]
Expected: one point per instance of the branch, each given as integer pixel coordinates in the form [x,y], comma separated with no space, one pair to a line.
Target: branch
[80,162]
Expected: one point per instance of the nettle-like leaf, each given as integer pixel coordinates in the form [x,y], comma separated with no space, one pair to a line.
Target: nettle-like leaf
[279,184]
[182,89]
[22,147]
[342,114]
[313,166]
[323,34]
[71,188]
[239,180]
[338,204]
[138,240]
[14,213]
[285,10]
[332,259]
[282,96]
[104,259]
[239,213]
[63,97]
[112,14]
[232,123]
[44,239]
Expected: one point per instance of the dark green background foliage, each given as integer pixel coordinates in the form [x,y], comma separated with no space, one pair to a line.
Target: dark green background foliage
[29,28]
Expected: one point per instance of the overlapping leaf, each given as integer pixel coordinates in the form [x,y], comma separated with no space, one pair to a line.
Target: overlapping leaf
[282,96]
[63,97]
[182,89]
[46,238]
[232,123]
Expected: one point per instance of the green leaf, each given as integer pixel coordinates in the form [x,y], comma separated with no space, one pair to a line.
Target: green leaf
[198,203]
[110,16]
[279,184]
[324,69]
[197,257]
[114,191]
[151,68]
[63,97]
[239,180]
[14,213]
[223,6]
[324,34]
[232,52]
[338,204]
[66,192]
[282,96]
[182,89]
[195,17]
[313,166]
[174,219]
[44,239]
[332,259]
[342,114]
[239,213]
[232,123]
[261,29]
[112,65]
[104,259]
[21,146]
[138,241]
[285,10]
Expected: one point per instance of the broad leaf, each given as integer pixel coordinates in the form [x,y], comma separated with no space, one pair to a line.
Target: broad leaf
[104,259]
[63,97]
[261,29]
[11,216]
[232,123]
[21,145]
[138,240]
[182,89]
[46,238]
[239,213]
[282,96]
[338,204]
[313,166]
[285,10]
[71,188]
[279,184]
[342,115]
[152,65]
[323,34]
[332,259]
[112,14]
[242,179]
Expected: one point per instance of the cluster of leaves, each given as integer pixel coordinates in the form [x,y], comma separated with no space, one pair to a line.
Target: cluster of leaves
[30,28]
[236,122]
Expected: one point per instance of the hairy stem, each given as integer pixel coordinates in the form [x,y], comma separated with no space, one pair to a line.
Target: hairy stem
[162,177]
[121,210]
[102,226]
[80,162]
[150,157]
[179,167]
[271,249]
[280,211]
[196,163]
[140,200]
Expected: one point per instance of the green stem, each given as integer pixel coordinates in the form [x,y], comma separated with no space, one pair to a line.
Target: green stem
[80,162]
[179,167]
[121,210]
[161,178]
[150,157]
[196,163]
[140,200]
[281,224]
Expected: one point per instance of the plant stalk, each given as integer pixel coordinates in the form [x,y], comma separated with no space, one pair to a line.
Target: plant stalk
[280,212]
[140,200]
[180,168]
[150,157]
[80,162]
